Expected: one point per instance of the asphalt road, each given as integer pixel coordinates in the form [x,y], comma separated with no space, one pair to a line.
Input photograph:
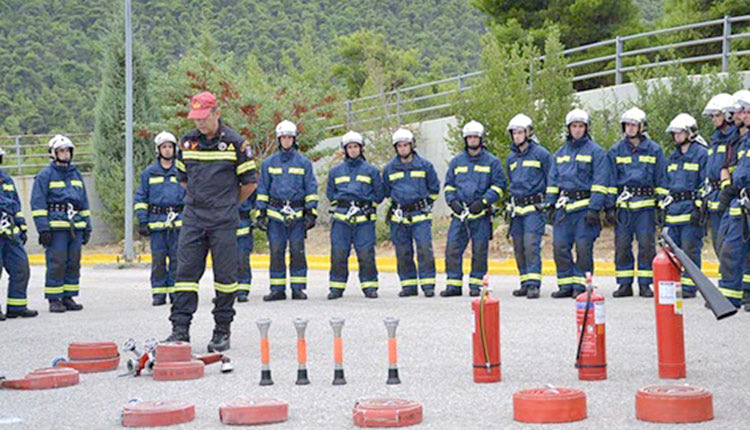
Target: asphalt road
[537,337]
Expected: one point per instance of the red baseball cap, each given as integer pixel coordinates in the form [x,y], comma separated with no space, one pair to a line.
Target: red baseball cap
[201,105]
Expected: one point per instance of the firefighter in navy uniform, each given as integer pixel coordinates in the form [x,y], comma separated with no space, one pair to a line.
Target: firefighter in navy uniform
[287,207]
[159,201]
[413,186]
[722,144]
[474,182]
[245,247]
[638,182]
[527,166]
[577,190]
[12,254]
[216,166]
[60,208]
[686,175]
[355,188]
[734,254]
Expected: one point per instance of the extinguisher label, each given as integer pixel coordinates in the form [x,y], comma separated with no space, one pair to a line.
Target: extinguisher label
[678,299]
[668,292]
[599,312]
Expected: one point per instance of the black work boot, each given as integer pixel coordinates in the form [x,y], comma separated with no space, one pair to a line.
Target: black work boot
[407,292]
[71,305]
[298,295]
[274,295]
[474,292]
[532,292]
[220,340]
[645,291]
[745,298]
[335,293]
[242,298]
[2,315]
[559,294]
[370,293]
[625,290]
[451,292]
[521,292]
[159,301]
[56,306]
[23,313]
[430,292]
[180,333]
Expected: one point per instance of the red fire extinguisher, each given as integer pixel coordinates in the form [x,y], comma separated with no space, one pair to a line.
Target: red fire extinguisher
[670,337]
[591,356]
[486,338]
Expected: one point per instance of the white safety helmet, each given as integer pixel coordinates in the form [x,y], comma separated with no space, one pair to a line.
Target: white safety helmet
[403,135]
[742,100]
[577,115]
[58,142]
[352,137]
[164,137]
[521,122]
[721,103]
[473,128]
[2,152]
[634,116]
[683,122]
[286,128]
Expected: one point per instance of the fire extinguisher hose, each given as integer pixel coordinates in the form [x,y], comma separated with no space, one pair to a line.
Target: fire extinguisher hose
[583,326]
[483,332]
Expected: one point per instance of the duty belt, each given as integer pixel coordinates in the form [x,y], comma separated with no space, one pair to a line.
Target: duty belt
[713,184]
[570,195]
[683,195]
[355,207]
[527,200]
[361,204]
[398,212]
[646,191]
[61,207]
[279,203]
[415,206]
[160,210]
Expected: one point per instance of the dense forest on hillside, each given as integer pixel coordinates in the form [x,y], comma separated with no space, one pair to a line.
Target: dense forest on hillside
[51,50]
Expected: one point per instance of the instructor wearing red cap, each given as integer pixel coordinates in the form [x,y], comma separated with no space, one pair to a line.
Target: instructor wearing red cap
[216,167]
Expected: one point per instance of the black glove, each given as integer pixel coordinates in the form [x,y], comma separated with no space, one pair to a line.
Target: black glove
[143,230]
[592,217]
[23,237]
[477,207]
[457,207]
[86,236]
[310,219]
[45,238]
[261,221]
[725,197]
[695,217]
[550,214]
[610,217]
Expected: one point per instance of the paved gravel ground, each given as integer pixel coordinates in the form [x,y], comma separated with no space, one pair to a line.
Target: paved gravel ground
[538,347]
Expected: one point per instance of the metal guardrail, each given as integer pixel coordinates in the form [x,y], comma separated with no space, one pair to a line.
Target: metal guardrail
[27,154]
[436,96]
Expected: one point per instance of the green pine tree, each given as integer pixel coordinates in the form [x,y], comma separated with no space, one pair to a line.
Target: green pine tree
[109,129]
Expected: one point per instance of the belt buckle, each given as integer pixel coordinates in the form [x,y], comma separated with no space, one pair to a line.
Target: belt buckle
[353,210]
[624,196]
[744,200]
[561,201]
[398,214]
[171,216]
[5,222]
[512,207]
[464,213]
[288,212]
[71,212]
[667,201]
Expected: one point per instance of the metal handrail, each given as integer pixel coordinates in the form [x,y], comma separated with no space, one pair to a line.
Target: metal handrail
[396,99]
[18,160]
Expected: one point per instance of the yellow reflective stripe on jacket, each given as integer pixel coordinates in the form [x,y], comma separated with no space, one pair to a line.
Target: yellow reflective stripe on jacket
[394,176]
[296,171]
[311,198]
[649,159]
[180,165]
[275,170]
[209,155]
[672,167]
[577,204]
[341,179]
[262,197]
[155,180]
[76,183]
[448,188]
[661,191]
[612,190]
[277,215]
[244,231]
[497,189]
[532,163]
[354,219]
[563,159]
[673,219]
[735,211]
[583,158]
[415,219]
[8,187]
[141,206]
[461,169]
[599,189]
[245,167]
[85,212]
[623,160]
[523,210]
[365,179]
[418,174]
[482,169]
[693,167]
[57,184]
[39,212]
[158,225]
[646,203]
[714,206]
[513,165]
[553,190]
[66,224]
